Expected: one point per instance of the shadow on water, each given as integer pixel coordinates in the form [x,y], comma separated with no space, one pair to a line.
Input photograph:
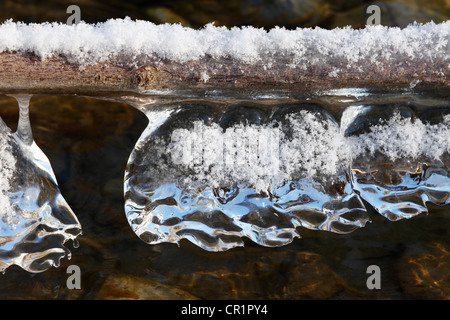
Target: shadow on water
[88,143]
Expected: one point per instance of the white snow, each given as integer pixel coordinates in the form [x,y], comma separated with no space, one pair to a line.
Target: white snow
[404,138]
[88,43]
[262,156]
[7,169]
[266,155]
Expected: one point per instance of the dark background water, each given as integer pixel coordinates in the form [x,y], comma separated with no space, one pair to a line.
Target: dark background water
[258,13]
[88,143]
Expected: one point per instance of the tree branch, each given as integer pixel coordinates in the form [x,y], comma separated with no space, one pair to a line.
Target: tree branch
[27,73]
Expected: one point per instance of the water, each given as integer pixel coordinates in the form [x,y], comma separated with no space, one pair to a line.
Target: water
[76,132]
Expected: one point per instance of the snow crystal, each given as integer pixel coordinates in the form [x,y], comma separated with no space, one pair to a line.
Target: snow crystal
[262,156]
[404,138]
[436,139]
[242,152]
[7,168]
[87,43]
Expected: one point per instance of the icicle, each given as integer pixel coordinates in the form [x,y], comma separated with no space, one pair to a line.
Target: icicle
[35,220]
[24,127]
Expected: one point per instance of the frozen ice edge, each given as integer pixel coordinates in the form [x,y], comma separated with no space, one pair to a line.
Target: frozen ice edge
[89,43]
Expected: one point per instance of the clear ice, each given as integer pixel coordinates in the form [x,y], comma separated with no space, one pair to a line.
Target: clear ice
[401,161]
[35,220]
[214,175]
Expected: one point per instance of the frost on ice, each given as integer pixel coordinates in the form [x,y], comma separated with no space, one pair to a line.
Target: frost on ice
[260,155]
[7,169]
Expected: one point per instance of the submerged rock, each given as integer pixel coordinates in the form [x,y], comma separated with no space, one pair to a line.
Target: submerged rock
[299,275]
[423,272]
[165,15]
[284,12]
[127,287]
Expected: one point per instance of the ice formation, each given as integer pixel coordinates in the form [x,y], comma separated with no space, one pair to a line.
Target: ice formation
[214,182]
[35,220]
[7,169]
[401,163]
[399,138]
[214,176]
